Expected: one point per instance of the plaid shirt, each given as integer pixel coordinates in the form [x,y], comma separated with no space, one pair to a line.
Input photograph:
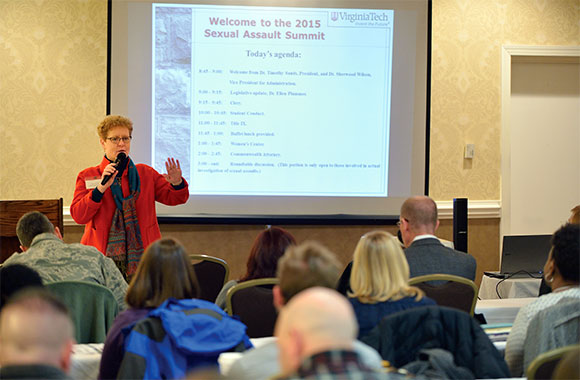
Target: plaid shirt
[338,364]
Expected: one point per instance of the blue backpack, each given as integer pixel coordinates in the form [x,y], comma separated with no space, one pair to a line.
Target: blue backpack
[178,336]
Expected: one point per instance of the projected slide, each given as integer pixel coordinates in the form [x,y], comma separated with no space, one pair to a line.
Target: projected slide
[273,101]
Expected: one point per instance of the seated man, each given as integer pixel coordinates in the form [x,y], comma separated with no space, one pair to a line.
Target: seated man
[45,252]
[36,337]
[302,267]
[316,332]
[425,253]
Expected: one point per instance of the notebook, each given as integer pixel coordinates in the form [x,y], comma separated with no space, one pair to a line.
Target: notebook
[523,253]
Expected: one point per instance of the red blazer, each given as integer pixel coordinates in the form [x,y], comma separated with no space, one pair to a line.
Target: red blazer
[98,216]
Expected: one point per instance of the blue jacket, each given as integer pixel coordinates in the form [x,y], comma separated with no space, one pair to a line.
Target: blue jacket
[178,336]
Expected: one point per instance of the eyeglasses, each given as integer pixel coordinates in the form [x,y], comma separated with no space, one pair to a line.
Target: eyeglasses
[400,221]
[117,140]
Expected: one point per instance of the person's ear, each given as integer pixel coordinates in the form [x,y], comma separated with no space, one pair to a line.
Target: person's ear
[437,225]
[66,356]
[57,233]
[279,301]
[549,270]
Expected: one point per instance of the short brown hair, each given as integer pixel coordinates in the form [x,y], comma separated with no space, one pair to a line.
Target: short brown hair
[31,224]
[164,271]
[112,121]
[305,266]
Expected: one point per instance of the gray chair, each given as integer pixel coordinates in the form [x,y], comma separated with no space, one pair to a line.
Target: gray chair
[252,302]
[93,308]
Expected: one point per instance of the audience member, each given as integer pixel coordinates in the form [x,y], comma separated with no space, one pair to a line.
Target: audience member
[425,253]
[268,247]
[316,331]
[562,272]
[343,286]
[304,266]
[14,278]
[380,281]
[574,219]
[164,271]
[55,260]
[36,337]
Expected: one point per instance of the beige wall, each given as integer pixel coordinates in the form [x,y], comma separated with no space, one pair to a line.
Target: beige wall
[53,86]
[466,83]
[53,83]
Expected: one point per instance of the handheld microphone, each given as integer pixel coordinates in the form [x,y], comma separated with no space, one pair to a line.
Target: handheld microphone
[120,164]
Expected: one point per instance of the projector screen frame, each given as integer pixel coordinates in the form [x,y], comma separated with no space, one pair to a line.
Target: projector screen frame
[323,219]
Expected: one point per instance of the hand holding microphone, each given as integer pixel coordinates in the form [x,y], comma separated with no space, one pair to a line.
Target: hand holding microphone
[111,171]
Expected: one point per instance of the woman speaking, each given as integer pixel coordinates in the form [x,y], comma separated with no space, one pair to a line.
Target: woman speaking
[116,199]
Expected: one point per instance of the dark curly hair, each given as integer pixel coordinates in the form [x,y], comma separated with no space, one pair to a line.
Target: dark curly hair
[566,251]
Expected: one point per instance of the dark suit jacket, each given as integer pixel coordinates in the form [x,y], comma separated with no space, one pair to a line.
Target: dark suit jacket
[429,256]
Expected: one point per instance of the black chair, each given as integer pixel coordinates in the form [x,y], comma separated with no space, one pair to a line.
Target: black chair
[448,290]
[544,365]
[212,273]
[252,302]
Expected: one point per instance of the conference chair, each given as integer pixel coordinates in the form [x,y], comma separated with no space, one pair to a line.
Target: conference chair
[544,365]
[552,328]
[212,273]
[400,337]
[252,302]
[448,290]
[92,307]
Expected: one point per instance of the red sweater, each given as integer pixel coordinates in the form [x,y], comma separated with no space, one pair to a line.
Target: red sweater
[98,216]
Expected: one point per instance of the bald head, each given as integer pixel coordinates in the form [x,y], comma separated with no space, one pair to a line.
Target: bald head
[418,217]
[35,328]
[316,320]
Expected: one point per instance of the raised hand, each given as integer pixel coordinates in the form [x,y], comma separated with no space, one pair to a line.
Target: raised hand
[173,168]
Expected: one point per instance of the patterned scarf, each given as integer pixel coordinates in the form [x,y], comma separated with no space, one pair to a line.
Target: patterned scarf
[125,245]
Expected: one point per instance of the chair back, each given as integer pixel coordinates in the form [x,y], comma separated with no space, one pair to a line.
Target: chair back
[93,308]
[212,273]
[544,365]
[448,290]
[12,211]
[252,302]
[551,328]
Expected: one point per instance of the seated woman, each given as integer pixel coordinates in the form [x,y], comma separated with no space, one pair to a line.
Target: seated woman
[380,281]
[268,247]
[561,272]
[164,271]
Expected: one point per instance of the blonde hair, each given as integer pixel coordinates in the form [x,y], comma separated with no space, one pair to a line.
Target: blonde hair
[112,121]
[380,271]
